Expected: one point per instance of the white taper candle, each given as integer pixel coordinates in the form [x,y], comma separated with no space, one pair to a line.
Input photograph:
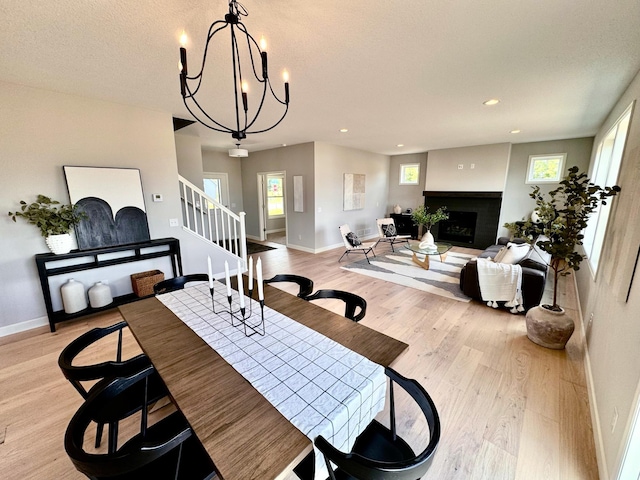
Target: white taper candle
[226,278]
[259,275]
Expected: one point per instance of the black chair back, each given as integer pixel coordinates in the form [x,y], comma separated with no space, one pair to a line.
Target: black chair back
[306,284]
[379,453]
[178,283]
[351,300]
[105,372]
[76,374]
[158,451]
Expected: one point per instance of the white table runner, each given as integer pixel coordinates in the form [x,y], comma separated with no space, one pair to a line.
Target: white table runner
[320,386]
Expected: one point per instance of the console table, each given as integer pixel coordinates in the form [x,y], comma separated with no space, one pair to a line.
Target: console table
[404,224]
[90,259]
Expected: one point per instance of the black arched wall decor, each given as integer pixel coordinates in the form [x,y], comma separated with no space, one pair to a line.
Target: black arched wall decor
[113,200]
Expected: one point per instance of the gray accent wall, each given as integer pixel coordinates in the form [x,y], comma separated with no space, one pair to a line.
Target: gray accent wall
[294,160]
[331,163]
[407,196]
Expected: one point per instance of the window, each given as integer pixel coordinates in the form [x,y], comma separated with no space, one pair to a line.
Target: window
[275,196]
[212,188]
[546,168]
[606,167]
[409,173]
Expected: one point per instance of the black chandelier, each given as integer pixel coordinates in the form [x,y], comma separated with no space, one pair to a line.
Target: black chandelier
[189,86]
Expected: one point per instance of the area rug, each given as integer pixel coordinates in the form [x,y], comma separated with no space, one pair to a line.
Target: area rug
[251,247]
[442,278]
[257,248]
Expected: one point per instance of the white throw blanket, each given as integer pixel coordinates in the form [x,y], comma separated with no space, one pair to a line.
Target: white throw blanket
[500,282]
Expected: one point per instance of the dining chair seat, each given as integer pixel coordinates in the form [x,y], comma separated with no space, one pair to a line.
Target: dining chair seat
[305,284]
[178,283]
[352,302]
[379,453]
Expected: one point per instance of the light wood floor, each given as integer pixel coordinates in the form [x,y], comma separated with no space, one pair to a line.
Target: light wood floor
[509,408]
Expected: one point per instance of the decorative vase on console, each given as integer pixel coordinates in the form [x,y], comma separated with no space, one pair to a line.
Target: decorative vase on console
[53,219]
[397,209]
[421,216]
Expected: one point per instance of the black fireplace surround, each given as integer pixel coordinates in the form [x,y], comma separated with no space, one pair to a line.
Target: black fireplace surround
[473,217]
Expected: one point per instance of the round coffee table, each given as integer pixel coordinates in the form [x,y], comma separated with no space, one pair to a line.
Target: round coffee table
[441,249]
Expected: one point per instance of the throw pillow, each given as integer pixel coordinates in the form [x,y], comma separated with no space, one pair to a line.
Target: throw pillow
[500,255]
[389,230]
[515,252]
[353,239]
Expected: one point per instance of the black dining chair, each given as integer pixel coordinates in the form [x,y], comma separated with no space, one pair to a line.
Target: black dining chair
[166,449]
[351,300]
[305,284]
[107,370]
[379,453]
[178,283]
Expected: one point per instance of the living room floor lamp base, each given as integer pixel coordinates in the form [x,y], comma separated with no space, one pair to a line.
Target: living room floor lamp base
[549,328]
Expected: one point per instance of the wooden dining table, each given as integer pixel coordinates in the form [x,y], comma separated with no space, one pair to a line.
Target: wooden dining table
[246,437]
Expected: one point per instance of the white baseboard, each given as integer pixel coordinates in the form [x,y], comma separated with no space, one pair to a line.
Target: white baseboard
[593,405]
[276,230]
[24,326]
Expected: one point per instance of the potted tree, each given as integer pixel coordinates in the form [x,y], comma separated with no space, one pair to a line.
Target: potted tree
[422,217]
[562,218]
[53,219]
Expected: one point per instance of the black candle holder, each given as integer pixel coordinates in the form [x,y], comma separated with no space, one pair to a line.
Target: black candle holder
[245,318]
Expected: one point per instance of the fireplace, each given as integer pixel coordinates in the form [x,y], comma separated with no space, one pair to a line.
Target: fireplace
[460,227]
[473,217]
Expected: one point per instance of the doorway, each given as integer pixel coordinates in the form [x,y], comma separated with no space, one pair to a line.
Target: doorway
[272,206]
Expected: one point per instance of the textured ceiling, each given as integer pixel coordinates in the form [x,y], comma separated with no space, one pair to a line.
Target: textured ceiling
[413,72]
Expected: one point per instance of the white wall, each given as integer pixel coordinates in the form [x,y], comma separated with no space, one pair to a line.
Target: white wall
[614,337]
[490,162]
[189,156]
[41,131]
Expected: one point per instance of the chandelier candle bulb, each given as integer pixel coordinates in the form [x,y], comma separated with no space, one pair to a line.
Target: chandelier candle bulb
[227,278]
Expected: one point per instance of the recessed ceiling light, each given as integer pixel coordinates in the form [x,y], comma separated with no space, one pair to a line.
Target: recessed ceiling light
[284,144]
[400,145]
[492,101]
[344,130]
[515,131]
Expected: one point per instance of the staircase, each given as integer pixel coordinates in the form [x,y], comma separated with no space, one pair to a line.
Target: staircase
[211,221]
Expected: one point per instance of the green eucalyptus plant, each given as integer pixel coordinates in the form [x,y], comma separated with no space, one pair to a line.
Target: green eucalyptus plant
[50,216]
[421,216]
[563,217]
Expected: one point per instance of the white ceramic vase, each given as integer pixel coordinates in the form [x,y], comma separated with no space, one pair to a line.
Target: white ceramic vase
[100,295]
[397,209]
[427,242]
[59,244]
[74,298]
